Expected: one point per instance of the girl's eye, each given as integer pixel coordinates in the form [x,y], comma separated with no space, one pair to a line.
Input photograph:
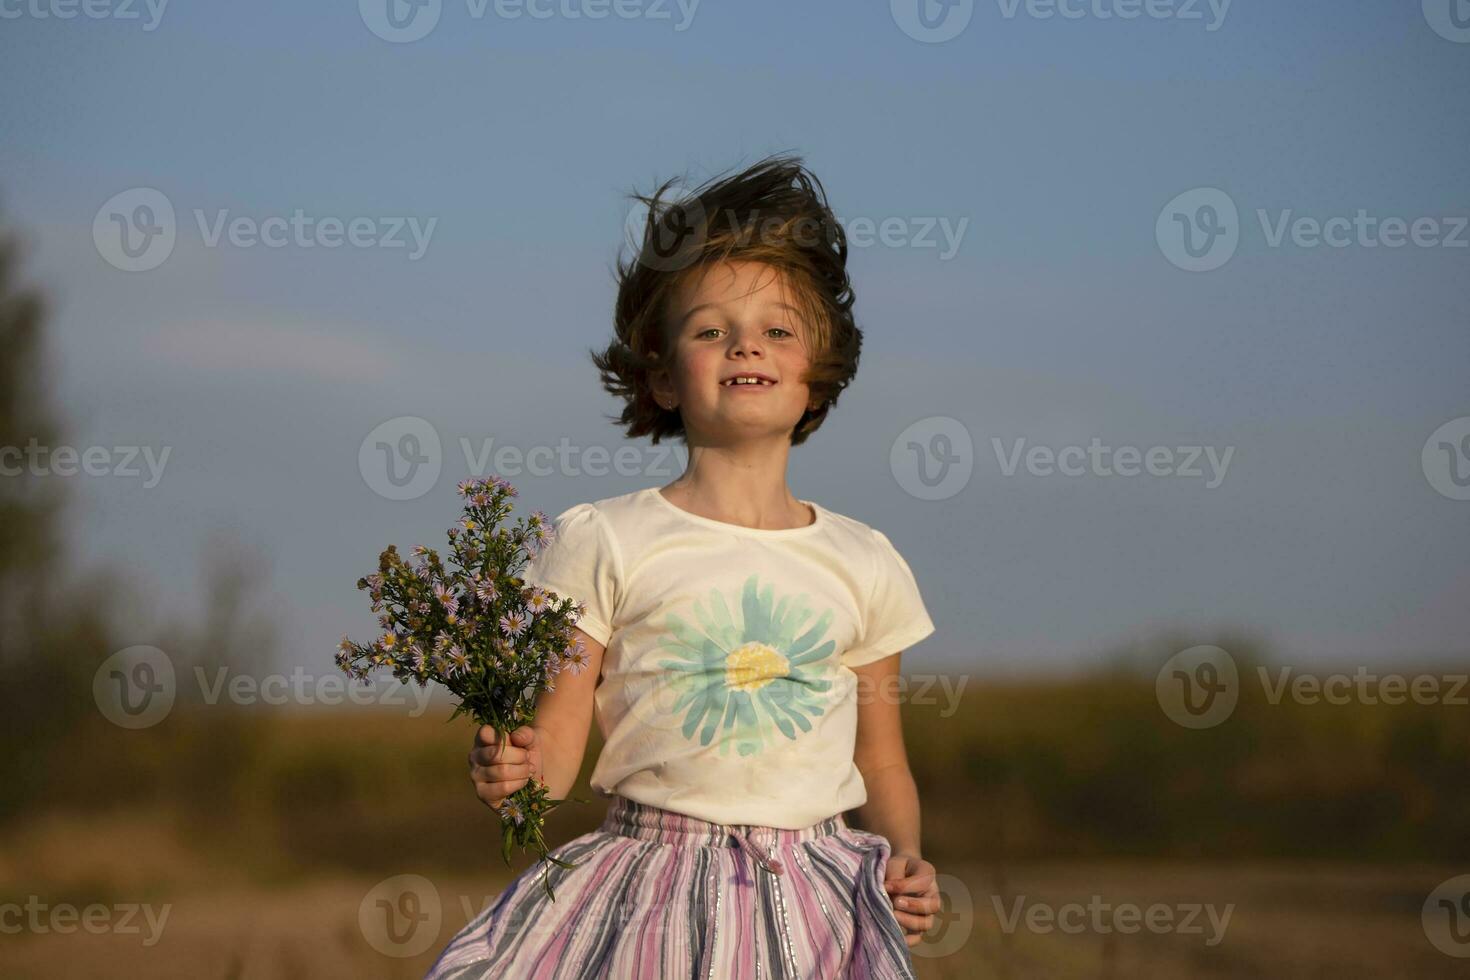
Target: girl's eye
[710,330]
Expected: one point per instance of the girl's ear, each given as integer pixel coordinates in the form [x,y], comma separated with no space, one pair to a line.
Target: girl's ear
[661,388]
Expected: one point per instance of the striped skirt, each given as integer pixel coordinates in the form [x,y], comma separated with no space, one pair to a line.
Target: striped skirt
[660,894]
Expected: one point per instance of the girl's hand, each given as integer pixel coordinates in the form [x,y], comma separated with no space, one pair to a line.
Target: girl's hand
[911,886]
[499,768]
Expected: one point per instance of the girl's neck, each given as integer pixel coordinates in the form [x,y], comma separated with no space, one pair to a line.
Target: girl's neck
[767,507]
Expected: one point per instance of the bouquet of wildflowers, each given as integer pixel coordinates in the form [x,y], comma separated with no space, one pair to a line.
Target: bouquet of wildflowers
[479,631]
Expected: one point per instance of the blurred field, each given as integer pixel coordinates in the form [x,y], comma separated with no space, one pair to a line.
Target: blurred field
[1324,827]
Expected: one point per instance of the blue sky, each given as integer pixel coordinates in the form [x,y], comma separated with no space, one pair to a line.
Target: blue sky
[1059,318]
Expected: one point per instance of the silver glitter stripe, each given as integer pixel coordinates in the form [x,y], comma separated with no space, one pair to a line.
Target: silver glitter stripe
[816,883]
[789,952]
[714,940]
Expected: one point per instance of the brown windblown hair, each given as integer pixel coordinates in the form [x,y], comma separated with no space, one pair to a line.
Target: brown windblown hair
[774,212]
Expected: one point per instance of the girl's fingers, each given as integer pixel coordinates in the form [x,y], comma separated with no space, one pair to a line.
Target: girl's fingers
[916,885]
[500,774]
[495,793]
[509,755]
[918,924]
[918,904]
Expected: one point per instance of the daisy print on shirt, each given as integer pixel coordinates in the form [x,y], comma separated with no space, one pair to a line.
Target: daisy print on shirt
[756,673]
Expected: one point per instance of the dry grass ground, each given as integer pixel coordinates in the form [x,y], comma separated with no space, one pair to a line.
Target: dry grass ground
[262,833]
[1302,921]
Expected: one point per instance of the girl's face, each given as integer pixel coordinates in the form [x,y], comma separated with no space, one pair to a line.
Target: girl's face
[740,318]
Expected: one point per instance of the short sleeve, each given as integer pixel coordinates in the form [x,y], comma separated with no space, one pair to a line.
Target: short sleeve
[895,618]
[581,563]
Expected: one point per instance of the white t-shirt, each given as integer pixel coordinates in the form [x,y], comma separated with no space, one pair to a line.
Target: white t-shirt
[727,691]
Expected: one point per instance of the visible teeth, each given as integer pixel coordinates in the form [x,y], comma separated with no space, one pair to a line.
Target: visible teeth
[746,381]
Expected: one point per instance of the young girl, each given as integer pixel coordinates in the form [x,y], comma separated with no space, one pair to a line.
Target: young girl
[726,625]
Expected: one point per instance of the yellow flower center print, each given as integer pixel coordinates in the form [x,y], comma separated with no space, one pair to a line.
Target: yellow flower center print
[749,669]
[752,666]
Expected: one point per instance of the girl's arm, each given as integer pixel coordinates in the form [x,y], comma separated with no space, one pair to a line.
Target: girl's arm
[564,718]
[552,747]
[892,809]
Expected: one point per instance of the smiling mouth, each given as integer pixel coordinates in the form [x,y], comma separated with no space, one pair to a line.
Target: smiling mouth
[753,383]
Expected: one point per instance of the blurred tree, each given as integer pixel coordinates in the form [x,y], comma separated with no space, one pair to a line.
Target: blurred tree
[28,507]
[57,623]
[42,618]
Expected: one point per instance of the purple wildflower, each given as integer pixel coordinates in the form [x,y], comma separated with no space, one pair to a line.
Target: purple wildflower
[511,810]
[458,662]
[575,660]
[513,624]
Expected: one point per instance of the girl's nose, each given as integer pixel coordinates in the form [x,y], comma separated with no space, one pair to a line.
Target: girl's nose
[745,342]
